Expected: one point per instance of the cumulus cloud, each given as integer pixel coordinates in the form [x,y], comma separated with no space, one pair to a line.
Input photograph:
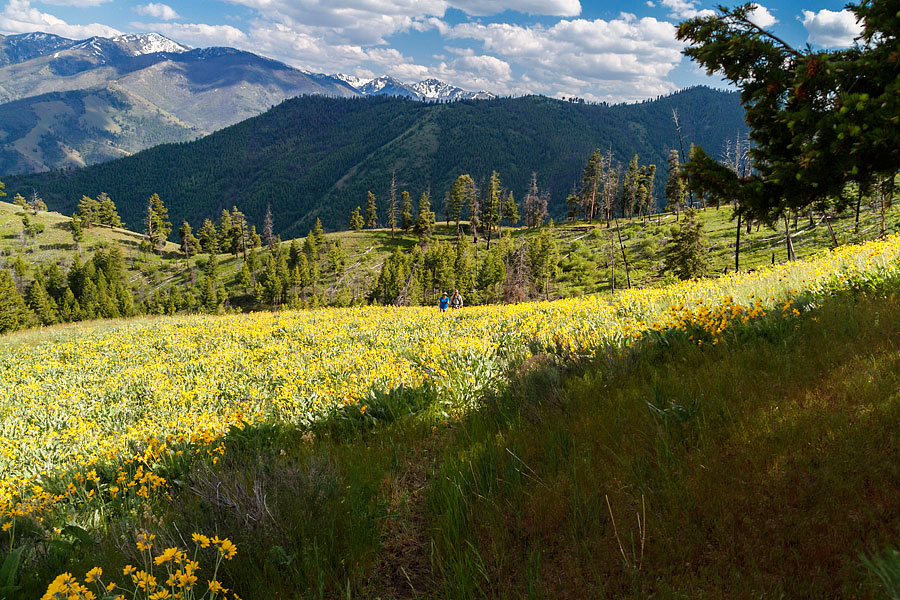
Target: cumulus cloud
[624,58]
[18,16]
[761,16]
[831,29]
[199,34]
[685,9]
[557,8]
[76,3]
[157,11]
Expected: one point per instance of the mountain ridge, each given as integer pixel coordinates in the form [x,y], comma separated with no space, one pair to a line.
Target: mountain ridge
[316,157]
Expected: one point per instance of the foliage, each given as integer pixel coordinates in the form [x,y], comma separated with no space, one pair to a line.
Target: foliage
[687,250]
[314,157]
[818,119]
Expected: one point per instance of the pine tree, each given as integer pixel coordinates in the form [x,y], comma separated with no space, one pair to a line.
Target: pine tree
[491,209]
[240,233]
[88,212]
[3,190]
[371,211]
[356,220]
[157,223]
[209,237]
[687,253]
[631,187]
[675,190]
[510,211]
[294,253]
[189,243]
[535,204]
[461,195]
[225,234]
[77,231]
[268,234]
[40,302]
[392,207]
[14,313]
[318,233]
[107,212]
[591,182]
[406,216]
[19,200]
[425,218]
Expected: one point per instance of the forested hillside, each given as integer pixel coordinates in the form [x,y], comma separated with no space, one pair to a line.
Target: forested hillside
[315,157]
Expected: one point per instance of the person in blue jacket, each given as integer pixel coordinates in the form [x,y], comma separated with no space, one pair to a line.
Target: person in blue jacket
[445,300]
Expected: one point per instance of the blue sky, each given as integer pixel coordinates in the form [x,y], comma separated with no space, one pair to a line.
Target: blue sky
[611,50]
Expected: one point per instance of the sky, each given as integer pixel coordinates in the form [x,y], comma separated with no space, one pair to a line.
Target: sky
[599,50]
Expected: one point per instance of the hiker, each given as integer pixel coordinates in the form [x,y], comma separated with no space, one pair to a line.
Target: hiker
[456,300]
[445,300]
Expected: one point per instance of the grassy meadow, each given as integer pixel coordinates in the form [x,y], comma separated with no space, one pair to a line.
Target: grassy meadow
[701,439]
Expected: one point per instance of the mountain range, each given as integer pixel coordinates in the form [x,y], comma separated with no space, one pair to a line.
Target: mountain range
[70,103]
[317,156]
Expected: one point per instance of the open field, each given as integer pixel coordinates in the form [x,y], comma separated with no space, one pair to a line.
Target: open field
[109,415]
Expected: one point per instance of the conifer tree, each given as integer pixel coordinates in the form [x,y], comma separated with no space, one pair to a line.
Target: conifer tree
[268,234]
[189,243]
[41,304]
[392,206]
[371,220]
[225,234]
[209,237]
[240,232]
[687,253]
[294,253]
[572,204]
[425,218]
[675,190]
[509,209]
[491,208]
[631,187]
[19,200]
[356,220]
[157,223]
[461,195]
[535,204]
[591,182]
[3,190]
[14,313]
[88,212]
[406,214]
[77,231]
[107,213]
[318,233]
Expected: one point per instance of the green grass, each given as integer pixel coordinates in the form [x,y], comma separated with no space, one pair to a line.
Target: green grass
[585,250]
[762,467]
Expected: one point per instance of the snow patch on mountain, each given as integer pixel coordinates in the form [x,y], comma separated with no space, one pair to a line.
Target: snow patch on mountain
[429,90]
[137,44]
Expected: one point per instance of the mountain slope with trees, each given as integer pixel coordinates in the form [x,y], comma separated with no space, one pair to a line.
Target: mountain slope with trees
[317,157]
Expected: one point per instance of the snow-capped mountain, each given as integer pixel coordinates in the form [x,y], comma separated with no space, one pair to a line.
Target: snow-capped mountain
[16,49]
[430,90]
[435,89]
[352,81]
[148,43]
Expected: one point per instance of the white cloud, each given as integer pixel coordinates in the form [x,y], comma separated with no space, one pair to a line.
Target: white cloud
[199,34]
[685,9]
[18,16]
[625,58]
[76,3]
[761,17]
[157,11]
[831,29]
[557,8]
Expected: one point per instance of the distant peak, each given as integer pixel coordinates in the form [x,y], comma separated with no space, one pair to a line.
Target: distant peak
[137,44]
